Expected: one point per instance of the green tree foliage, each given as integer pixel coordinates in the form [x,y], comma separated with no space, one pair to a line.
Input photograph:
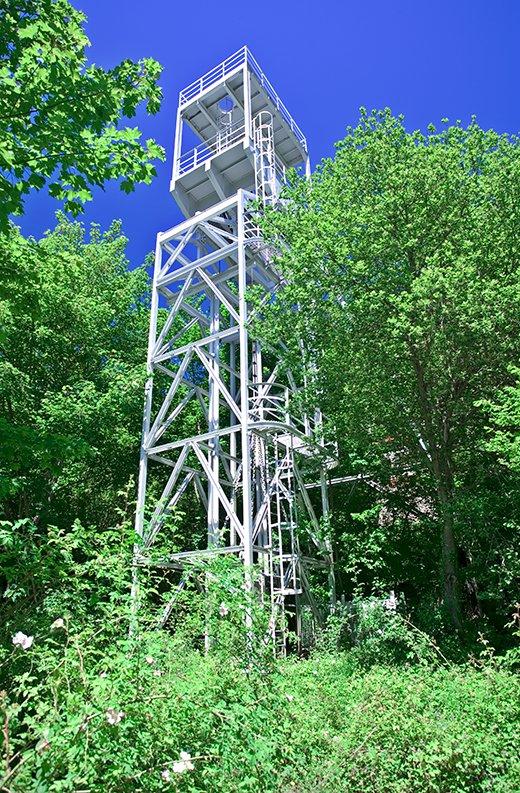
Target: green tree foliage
[59,117]
[402,263]
[71,373]
[504,440]
[504,415]
[74,322]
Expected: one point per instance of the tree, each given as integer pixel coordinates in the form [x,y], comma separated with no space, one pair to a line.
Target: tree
[71,374]
[401,257]
[74,323]
[59,118]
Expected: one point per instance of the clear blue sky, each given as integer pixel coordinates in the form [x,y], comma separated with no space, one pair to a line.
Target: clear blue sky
[325,58]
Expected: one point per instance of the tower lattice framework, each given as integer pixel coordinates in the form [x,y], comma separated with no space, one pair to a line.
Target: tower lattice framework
[255,461]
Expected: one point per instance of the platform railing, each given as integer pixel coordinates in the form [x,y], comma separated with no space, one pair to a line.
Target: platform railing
[214,75]
[220,72]
[216,145]
[267,85]
[209,148]
[271,402]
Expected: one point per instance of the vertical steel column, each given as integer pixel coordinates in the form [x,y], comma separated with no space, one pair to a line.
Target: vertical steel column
[148,394]
[247,505]
[308,167]
[233,437]
[247,102]
[178,143]
[257,396]
[213,424]
[147,412]
[260,461]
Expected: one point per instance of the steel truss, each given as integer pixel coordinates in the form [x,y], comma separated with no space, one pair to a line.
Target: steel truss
[249,467]
[255,455]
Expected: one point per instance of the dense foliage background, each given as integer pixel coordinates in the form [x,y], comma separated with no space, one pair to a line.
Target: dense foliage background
[401,265]
[401,259]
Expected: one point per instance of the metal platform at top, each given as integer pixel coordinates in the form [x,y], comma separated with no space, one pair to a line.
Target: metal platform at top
[214,142]
[228,67]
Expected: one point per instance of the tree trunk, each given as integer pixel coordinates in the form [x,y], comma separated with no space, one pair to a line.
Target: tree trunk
[442,474]
[449,560]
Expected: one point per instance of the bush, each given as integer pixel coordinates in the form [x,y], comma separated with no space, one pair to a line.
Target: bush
[79,718]
[86,707]
[401,729]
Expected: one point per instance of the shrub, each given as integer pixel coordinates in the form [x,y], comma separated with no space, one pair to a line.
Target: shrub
[119,718]
[86,707]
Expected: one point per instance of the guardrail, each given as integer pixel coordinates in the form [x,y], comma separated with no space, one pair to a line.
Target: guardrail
[216,145]
[221,71]
[209,148]
[213,76]
[276,99]
[272,402]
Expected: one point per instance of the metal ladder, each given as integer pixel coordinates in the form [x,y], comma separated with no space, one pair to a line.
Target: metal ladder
[283,548]
[265,165]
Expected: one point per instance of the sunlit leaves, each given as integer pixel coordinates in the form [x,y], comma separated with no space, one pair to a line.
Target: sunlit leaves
[402,265]
[60,118]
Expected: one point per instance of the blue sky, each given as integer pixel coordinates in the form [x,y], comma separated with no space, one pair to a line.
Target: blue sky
[325,58]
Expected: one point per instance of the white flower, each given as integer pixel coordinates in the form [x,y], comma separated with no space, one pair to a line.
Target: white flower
[157,672]
[59,623]
[166,775]
[390,604]
[150,660]
[184,764]
[21,640]
[289,697]
[223,610]
[103,674]
[43,745]
[114,716]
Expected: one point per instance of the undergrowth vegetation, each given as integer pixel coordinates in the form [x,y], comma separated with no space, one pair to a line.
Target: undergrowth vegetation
[86,706]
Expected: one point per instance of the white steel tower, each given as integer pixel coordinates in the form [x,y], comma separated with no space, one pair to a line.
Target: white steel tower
[254,458]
